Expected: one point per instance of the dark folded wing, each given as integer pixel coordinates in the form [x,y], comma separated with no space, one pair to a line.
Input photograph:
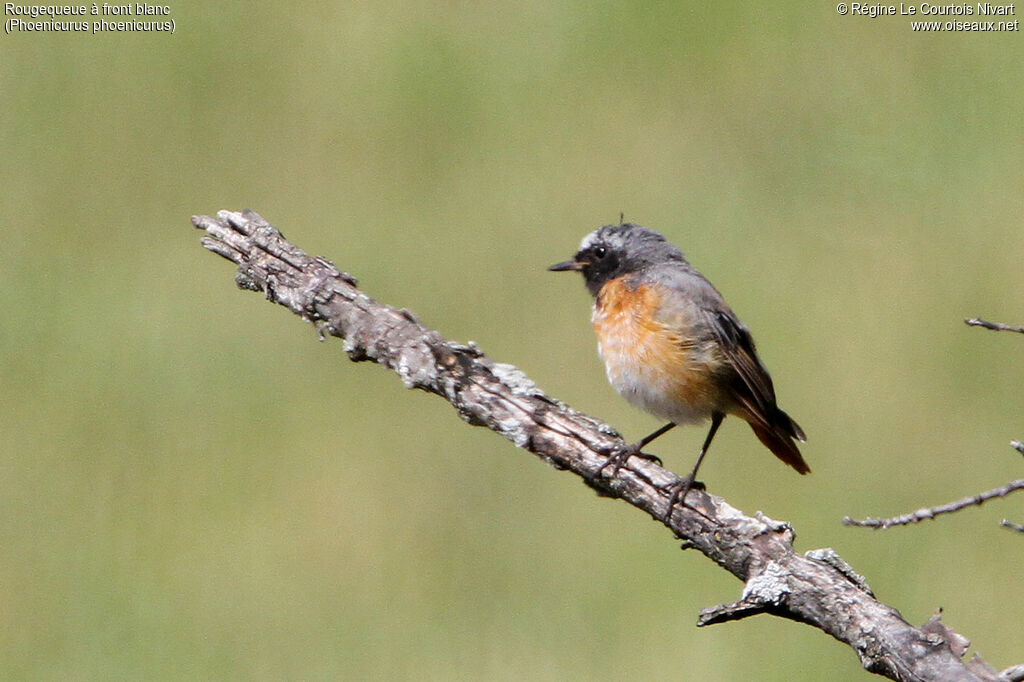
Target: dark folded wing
[703,309]
[754,390]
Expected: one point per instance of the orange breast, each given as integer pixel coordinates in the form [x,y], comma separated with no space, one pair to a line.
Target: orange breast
[653,363]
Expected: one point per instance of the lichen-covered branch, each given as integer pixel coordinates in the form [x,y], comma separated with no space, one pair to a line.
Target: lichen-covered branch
[816,588]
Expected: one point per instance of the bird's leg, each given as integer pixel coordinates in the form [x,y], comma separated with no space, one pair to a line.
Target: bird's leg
[678,490]
[622,455]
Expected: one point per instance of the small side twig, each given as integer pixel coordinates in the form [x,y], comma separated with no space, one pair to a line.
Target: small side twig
[997,326]
[723,613]
[932,512]
[1006,523]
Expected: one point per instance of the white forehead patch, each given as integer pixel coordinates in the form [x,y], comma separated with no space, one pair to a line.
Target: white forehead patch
[589,240]
[602,234]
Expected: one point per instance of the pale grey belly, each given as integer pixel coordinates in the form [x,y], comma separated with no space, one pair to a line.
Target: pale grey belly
[644,389]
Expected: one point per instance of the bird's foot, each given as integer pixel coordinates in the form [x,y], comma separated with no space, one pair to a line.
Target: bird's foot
[677,492]
[618,459]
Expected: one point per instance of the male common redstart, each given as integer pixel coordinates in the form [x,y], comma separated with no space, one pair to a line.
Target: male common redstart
[673,347]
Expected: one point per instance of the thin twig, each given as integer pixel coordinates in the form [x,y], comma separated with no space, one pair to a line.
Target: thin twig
[948,508]
[997,326]
[932,512]
[1006,523]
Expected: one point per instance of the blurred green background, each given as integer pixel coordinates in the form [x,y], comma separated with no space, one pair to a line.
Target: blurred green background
[191,487]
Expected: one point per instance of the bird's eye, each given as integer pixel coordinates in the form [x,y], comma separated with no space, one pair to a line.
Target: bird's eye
[600,252]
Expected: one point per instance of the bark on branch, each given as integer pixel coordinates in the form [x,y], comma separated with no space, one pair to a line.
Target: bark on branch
[817,588]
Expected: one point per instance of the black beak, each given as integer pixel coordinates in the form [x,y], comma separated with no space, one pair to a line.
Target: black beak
[567,265]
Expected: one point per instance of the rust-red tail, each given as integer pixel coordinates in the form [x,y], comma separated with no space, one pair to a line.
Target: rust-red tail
[779,438]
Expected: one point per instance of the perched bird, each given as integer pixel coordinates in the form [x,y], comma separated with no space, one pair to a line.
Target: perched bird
[673,347]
